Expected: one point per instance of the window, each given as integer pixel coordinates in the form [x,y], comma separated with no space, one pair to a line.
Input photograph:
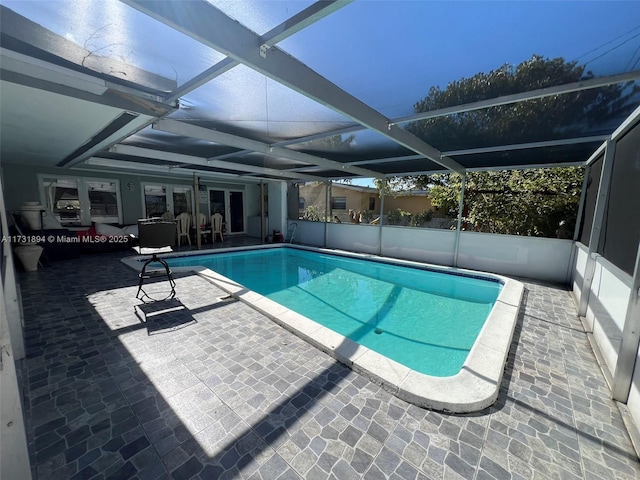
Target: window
[339,203]
[181,200]
[64,200]
[172,200]
[372,203]
[103,201]
[155,201]
[77,201]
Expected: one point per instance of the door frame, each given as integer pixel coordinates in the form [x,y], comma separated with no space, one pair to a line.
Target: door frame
[227,208]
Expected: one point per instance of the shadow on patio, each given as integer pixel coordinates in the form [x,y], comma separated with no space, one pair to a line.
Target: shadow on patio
[233,395]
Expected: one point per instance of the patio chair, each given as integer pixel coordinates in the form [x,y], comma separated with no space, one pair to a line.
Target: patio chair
[204,229]
[291,233]
[216,227]
[155,236]
[183,226]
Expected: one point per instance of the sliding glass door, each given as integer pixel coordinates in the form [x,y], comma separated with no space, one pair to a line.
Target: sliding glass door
[230,204]
[236,212]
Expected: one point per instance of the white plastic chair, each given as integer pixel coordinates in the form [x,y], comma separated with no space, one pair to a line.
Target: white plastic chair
[216,227]
[183,225]
[204,228]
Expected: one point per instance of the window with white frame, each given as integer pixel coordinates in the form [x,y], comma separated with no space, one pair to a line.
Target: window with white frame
[76,201]
[167,200]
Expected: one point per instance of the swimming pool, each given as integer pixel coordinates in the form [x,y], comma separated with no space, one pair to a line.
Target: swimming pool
[387,319]
[424,319]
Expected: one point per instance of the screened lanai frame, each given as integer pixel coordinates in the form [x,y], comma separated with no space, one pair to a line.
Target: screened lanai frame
[384,147]
[293,123]
[604,168]
[251,100]
[238,105]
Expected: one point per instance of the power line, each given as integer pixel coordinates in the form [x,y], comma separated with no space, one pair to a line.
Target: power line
[609,42]
[612,49]
[631,60]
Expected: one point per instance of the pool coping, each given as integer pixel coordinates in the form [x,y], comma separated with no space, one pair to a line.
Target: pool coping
[474,388]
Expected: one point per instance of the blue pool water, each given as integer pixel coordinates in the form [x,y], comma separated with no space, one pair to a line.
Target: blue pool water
[426,320]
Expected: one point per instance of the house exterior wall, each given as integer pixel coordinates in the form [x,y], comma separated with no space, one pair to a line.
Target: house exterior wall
[21,182]
[359,200]
[314,195]
[409,203]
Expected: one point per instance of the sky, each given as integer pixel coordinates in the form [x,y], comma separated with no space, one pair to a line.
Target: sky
[370,46]
[411,46]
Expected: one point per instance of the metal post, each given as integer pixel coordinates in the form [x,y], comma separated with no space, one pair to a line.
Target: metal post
[196,188]
[384,187]
[583,197]
[459,223]
[623,375]
[326,209]
[598,217]
[262,222]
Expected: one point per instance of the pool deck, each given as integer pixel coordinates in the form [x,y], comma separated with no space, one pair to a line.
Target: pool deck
[475,387]
[211,388]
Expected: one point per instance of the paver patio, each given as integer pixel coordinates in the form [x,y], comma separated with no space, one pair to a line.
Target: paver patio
[217,390]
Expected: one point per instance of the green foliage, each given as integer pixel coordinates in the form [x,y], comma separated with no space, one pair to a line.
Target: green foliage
[517,202]
[422,219]
[313,214]
[398,217]
[545,118]
[367,216]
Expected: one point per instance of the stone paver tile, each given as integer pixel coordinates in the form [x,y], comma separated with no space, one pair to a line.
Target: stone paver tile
[219,391]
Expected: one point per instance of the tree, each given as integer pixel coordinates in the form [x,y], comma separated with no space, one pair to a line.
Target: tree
[520,202]
[547,118]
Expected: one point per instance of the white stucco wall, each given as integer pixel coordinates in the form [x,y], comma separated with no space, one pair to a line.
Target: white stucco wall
[607,308]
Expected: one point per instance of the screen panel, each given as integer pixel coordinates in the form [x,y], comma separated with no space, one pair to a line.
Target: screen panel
[589,210]
[620,230]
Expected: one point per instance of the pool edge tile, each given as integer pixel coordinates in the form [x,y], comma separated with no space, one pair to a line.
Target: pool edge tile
[474,388]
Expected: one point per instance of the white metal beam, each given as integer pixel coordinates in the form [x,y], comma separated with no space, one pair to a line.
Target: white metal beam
[193,160]
[627,356]
[524,96]
[306,17]
[524,146]
[499,148]
[188,130]
[240,43]
[196,82]
[492,102]
[456,249]
[596,226]
[385,160]
[301,20]
[169,170]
